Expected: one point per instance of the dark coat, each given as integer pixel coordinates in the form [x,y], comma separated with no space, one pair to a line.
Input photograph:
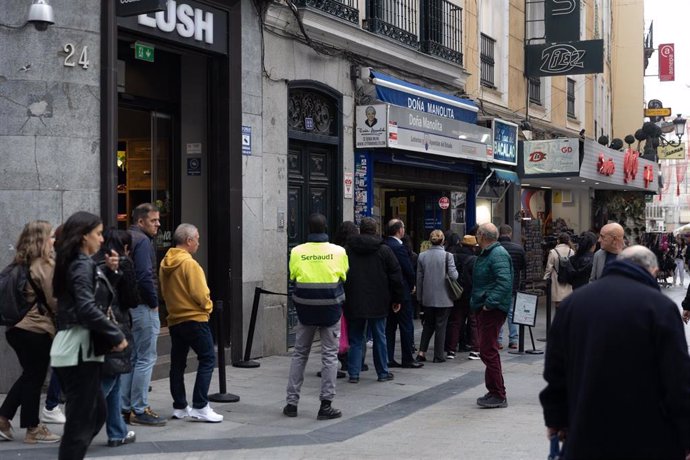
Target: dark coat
[403,256]
[616,403]
[583,268]
[145,265]
[517,255]
[465,259]
[374,282]
[79,305]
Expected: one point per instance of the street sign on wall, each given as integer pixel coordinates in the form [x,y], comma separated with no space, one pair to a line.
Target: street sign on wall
[573,58]
[660,112]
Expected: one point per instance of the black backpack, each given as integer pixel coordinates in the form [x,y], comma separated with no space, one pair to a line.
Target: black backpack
[13,303]
[565,270]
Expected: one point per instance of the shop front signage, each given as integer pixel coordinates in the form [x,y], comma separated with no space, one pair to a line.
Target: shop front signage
[137,7]
[505,142]
[571,58]
[188,22]
[556,156]
[370,129]
[667,65]
[607,166]
[444,202]
[562,20]
[670,152]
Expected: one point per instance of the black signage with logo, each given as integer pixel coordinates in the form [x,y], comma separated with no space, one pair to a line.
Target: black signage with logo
[188,22]
[573,58]
[562,20]
[136,7]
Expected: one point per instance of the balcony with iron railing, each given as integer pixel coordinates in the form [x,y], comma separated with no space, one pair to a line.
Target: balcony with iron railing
[396,19]
[441,30]
[343,9]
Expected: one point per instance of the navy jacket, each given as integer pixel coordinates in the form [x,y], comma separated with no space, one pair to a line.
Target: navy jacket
[614,402]
[517,255]
[400,251]
[145,266]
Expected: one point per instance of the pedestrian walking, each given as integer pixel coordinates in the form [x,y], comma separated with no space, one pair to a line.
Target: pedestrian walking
[583,258]
[491,296]
[32,336]
[145,320]
[563,250]
[432,292]
[319,270]
[618,404]
[117,364]
[85,333]
[188,300]
[374,286]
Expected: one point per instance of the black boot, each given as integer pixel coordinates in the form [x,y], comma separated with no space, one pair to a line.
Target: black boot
[328,412]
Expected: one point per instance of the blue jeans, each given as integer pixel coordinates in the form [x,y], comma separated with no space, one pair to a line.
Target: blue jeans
[135,386]
[356,330]
[53,393]
[114,423]
[512,328]
[197,336]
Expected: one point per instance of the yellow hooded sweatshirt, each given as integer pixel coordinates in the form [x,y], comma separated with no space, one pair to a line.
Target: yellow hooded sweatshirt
[184,288]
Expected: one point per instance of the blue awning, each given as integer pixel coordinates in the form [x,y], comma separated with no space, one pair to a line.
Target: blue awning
[506,175]
[399,92]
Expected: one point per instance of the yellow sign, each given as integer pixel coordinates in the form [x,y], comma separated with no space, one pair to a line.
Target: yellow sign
[672,153]
[662,112]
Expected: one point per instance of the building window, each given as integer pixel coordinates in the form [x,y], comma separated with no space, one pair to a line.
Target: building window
[396,19]
[535,90]
[442,29]
[343,9]
[488,45]
[571,98]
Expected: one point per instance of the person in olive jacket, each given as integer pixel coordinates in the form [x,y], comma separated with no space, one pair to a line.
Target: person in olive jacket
[374,286]
[492,291]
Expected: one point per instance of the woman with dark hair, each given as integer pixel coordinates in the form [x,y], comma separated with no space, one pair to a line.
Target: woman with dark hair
[582,260]
[85,333]
[32,336]
[116,364]
[345,231]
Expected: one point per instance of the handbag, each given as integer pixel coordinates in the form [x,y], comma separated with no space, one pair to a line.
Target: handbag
[454,288]
[101,344]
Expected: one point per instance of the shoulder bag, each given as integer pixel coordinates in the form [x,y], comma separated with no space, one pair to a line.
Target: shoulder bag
[454,288]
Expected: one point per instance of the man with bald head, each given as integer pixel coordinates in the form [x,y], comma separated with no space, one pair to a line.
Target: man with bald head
[492,293]
[612,243]
[603,400]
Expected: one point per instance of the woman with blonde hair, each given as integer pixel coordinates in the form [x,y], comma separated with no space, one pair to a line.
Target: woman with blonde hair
[32,336]
[432,293]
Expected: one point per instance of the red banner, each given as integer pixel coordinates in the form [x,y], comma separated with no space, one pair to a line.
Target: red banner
[667,71]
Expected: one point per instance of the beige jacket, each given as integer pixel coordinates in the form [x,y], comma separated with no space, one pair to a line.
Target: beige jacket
[41,272]
[558,291]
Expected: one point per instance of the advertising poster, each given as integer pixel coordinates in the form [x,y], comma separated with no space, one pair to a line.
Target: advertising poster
[551,156]
[371,121]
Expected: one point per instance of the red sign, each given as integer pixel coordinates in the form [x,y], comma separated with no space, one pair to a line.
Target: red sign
[667,59]
[443,202]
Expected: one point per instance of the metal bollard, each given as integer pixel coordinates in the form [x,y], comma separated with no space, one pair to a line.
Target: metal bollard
[222,395]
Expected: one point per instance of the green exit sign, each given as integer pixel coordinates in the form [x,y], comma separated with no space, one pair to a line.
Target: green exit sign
[143,52]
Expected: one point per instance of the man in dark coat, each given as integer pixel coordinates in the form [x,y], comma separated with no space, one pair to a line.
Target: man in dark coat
[402,318]
[604,400]
[373,288]
[517,255]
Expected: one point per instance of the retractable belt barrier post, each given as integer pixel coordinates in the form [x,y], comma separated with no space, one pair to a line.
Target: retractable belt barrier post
[247,363]
[548,310]
[222,395]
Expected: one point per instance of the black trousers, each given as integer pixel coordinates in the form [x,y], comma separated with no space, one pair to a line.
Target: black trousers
[85,408]
[33,351]
[435,323]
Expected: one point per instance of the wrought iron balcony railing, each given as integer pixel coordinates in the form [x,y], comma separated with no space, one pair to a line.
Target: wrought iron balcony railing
[343,9]
[442,29]
[396,19]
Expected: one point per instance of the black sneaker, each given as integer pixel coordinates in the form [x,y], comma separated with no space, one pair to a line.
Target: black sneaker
[339,375]
[493,402]
[386,377]
[290,410]
[148,418]
[328,412]
[450,355]
[481,399]
[126,416]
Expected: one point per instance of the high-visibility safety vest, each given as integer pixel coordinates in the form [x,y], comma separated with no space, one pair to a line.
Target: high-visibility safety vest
[319,271]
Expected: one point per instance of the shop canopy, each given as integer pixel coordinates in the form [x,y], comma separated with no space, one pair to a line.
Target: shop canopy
[399,92]
[497,183]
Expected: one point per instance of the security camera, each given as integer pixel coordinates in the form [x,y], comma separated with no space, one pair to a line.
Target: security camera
[41,15]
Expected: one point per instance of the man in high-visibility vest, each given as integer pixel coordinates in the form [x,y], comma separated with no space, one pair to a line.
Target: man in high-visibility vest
[318,269]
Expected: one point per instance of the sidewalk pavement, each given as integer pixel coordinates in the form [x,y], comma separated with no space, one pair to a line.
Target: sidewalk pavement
[423,413]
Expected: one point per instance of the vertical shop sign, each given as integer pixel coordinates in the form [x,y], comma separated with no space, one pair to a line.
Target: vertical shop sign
[667,65]
[562,20]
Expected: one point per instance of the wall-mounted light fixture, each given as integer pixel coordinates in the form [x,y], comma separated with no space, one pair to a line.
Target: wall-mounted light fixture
[41,15]
[526,128]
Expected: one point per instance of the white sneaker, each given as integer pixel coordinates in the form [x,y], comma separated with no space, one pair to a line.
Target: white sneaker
[182,413]
[52,416]
[205,414]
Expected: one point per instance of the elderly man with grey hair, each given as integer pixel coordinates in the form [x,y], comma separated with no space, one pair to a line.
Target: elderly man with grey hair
[603,399]
[188,300]
[492,294]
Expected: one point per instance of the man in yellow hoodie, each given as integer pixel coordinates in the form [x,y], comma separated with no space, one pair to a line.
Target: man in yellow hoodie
[188,300]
